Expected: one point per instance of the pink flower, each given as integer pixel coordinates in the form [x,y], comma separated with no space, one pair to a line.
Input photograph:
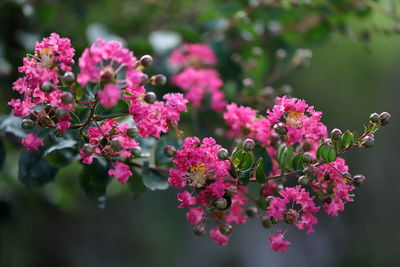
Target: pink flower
[186,199]
[196,83]
[239,118]
[110,95]
[195,215]
[193,55]
[32,142]
[92,62]
[277,243]
[219,238]
[121,171]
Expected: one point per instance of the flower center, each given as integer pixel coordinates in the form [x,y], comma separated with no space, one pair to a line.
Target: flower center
[197,175]
[293,119]
[46,58]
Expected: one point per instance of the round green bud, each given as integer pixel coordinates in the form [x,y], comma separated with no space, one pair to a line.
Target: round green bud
[223,154]
[303,180]
[248,145]
[47,87]
[150,97]
[374,118]
[225,229]
[132,132]
[116,144]
[169,151]
[61,113]
[27,124]
[200,229]
[266,222]
[280,128]
[69,77]
[336,134]
[385,118]
[252,211]
[307,158]
[359,179]
[67,98]
[158,80]
[146,61]
[231,191]
[221,203]
[368,141]
[88,149]
[136,151]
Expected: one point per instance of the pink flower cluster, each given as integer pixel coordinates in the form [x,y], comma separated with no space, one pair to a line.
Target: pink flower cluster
[331,184]
[198,168]
[301,120]
[53,57]
[107,62]
[197,79]
[285,208]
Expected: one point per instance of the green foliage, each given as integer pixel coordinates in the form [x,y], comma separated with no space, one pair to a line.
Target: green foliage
[152,178]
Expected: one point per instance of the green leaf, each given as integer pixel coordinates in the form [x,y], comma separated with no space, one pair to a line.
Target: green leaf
[347,139]
[328,153]
[159,157]
[233,172]
[136,185]
[61,154]
[242,159]
[2,153]
[297,162]
[12,126]
[33,170]
[244,177]
[260,173]
[261,152]
[285,159]
[262,203]
[153,179]
[94,180]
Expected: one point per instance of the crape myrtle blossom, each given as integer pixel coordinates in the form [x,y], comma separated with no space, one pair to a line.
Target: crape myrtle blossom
[198,168]
[32,142]
[197,79]
[277,243]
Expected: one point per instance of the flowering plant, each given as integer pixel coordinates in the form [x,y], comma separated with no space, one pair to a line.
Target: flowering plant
[109,118]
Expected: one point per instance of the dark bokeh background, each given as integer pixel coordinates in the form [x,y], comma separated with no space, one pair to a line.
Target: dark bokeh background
[57,225]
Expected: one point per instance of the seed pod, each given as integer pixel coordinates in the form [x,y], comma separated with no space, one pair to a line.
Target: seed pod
[27,124]
[223,154]
[248,145]
[200,229]
[158,80]
[169,151]
[146,61]
[150,97]
[132,132]
[221,203]
[225,229]
[69,77]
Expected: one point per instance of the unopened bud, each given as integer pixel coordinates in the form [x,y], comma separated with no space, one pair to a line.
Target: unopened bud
[231,191]
[67,98]
[280,128]
[225,229]
[303,180]
[273,220]
[374,118]
[116,144]
[368,141]
[27,124]
[146,61]
[252,211]
[359,179]
[88,149]
[136,151]
[169,151]
[158,80]
[336,134]
[200,229]
[223,154]
[150,97]
[132,132]
[61,113]
[69,77]
[47,87]
[385,118]
[248,145]
[221,203]
[307,158]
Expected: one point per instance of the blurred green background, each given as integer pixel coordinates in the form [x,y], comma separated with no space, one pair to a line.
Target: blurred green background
[57,225]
